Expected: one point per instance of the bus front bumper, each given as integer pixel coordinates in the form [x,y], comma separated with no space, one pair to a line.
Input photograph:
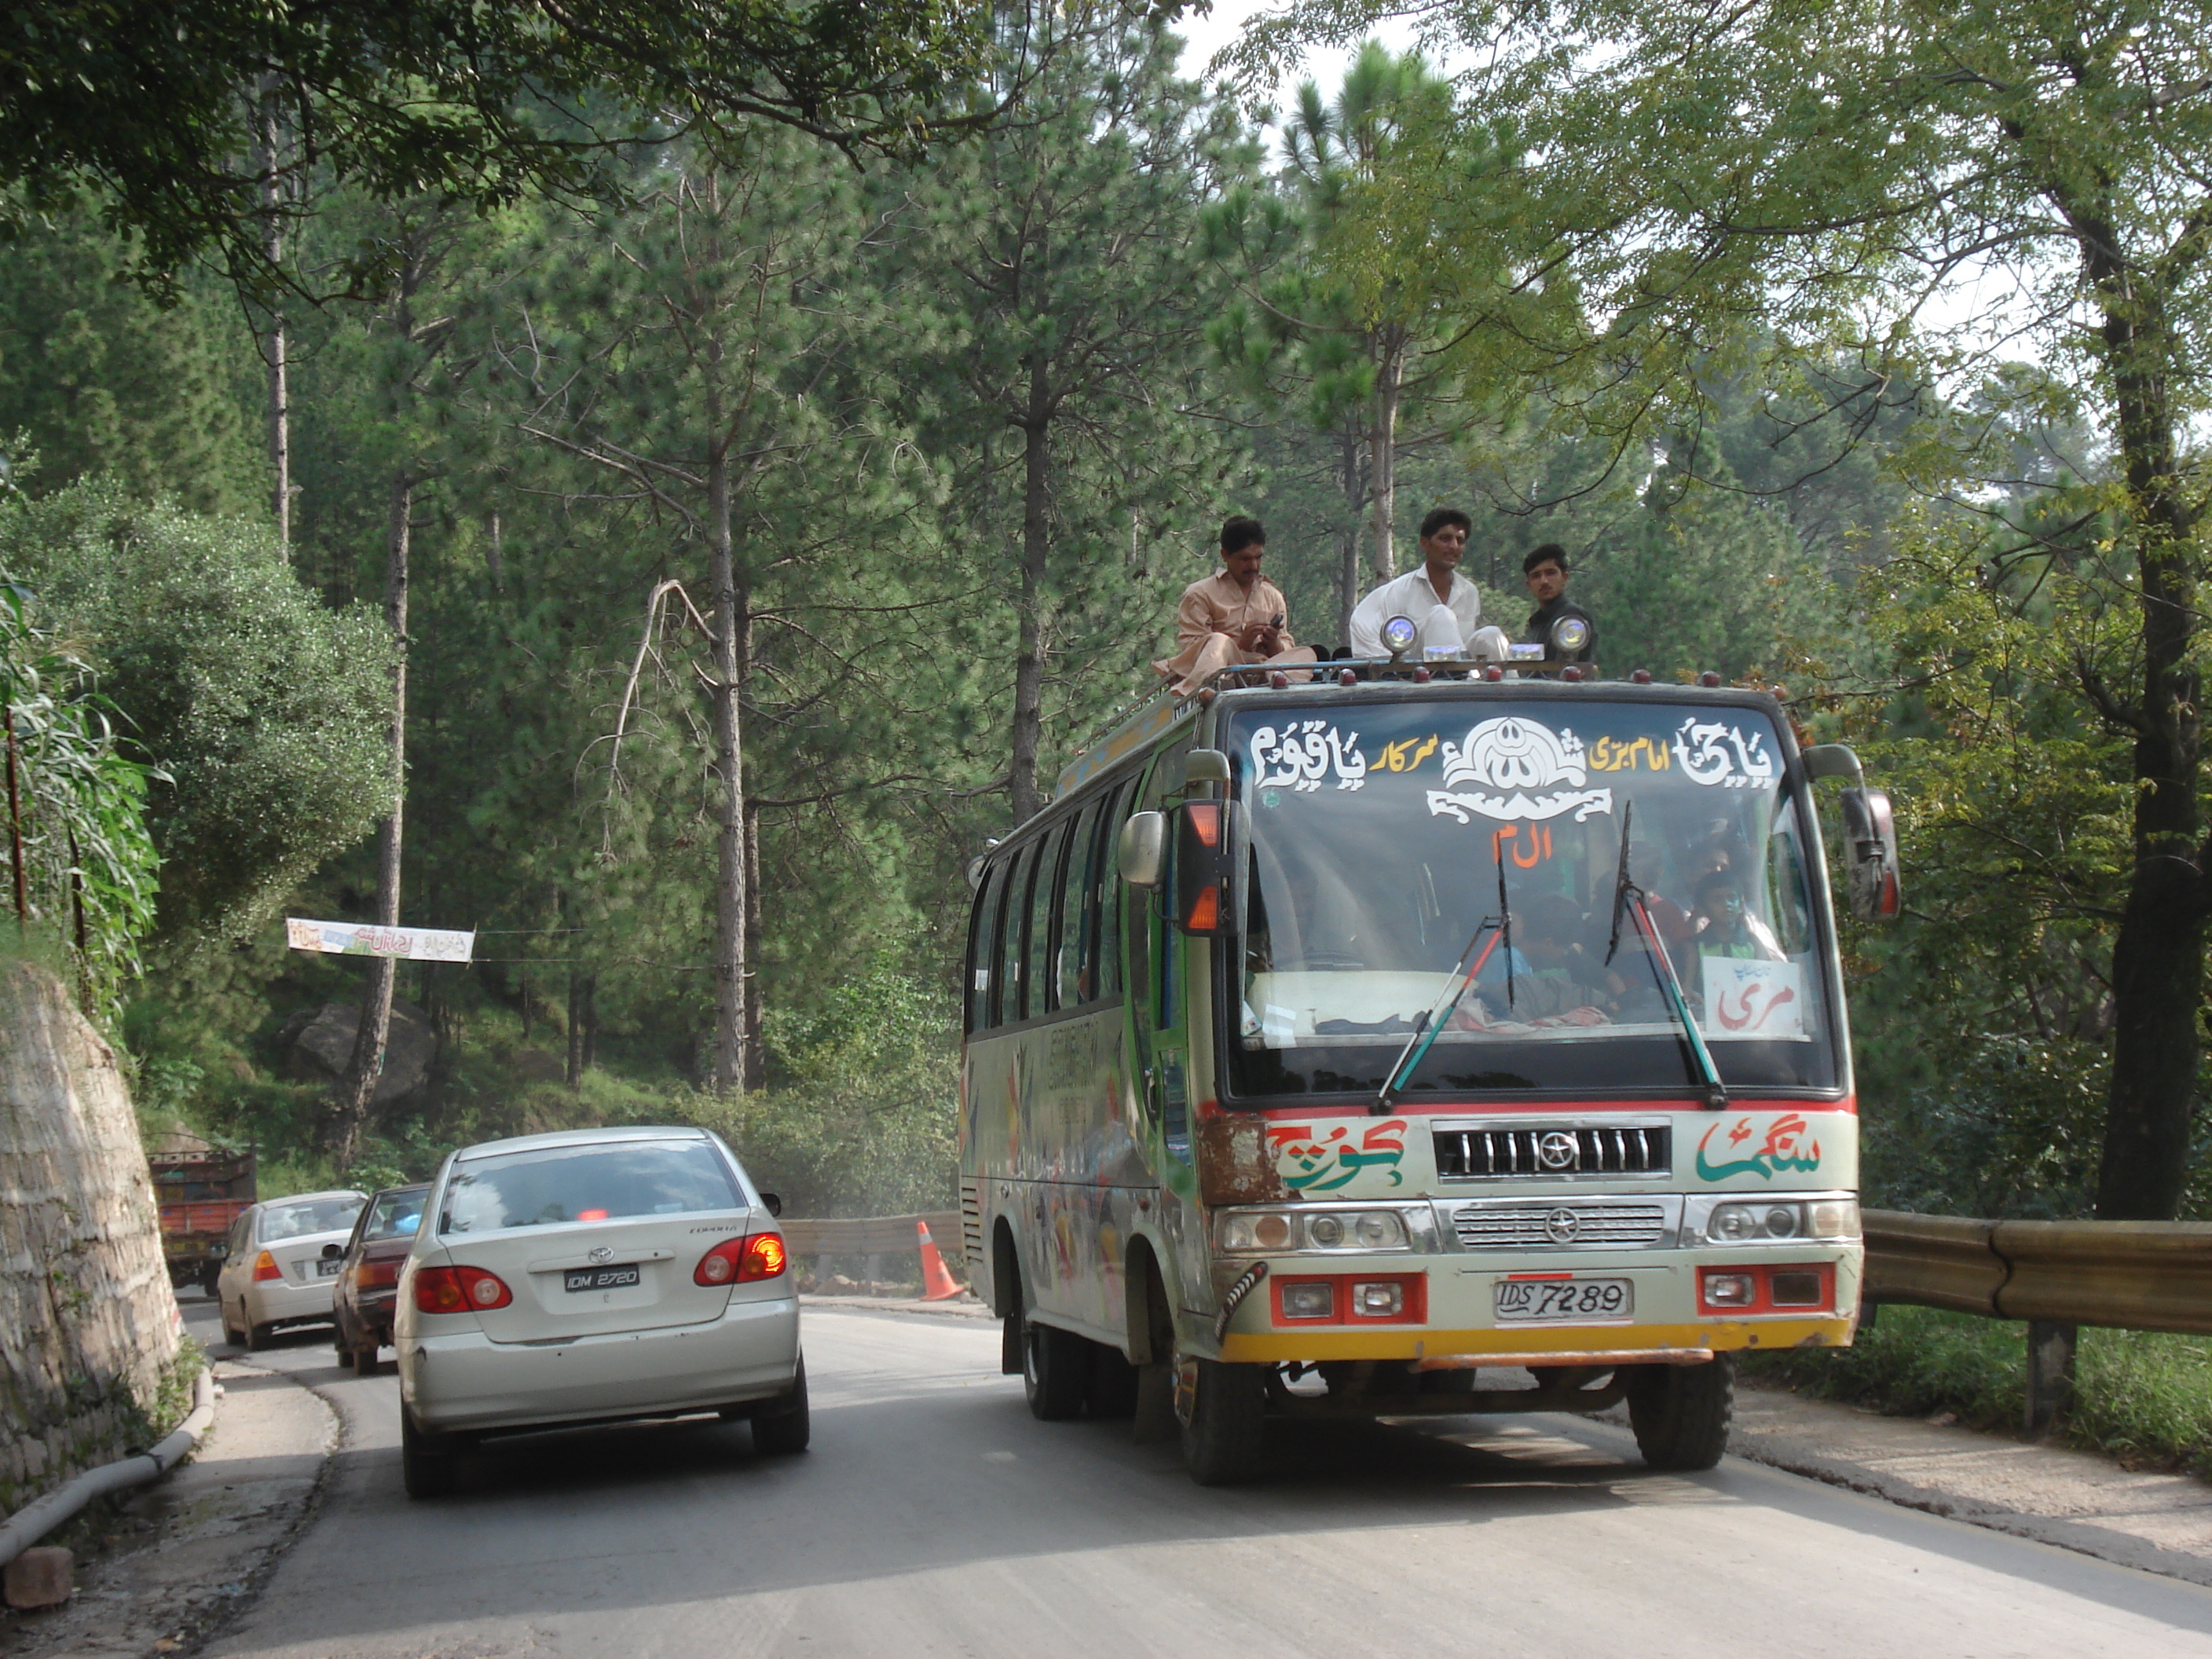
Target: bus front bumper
[1454,1314]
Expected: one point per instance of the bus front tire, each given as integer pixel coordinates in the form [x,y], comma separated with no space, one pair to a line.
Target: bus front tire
[1055,1372]
[1224,1441]
[1681,1412]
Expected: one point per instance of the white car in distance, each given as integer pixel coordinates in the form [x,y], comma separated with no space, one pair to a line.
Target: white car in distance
[274,1272]
[592,1276]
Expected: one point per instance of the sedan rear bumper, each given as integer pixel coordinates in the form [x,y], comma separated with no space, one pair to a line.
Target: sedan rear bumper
[464,1381]
[276,1302]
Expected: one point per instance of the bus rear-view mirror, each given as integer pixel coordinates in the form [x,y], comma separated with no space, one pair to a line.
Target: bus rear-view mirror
[1142,849]
[1870,863]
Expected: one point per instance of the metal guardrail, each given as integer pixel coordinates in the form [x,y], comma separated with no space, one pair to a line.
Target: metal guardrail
[872,1235]
[2056,1275]
[2132,1275]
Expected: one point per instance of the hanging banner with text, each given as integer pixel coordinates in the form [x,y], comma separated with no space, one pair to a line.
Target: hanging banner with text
[355,938]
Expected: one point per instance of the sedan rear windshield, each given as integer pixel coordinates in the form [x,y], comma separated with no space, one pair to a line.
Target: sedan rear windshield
[598,1182]
[397,1215]
[319,1215]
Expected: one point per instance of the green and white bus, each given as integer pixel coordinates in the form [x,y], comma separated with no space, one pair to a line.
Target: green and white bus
[1357,1047]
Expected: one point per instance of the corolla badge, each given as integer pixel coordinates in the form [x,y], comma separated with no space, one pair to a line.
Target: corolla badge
[1519,765]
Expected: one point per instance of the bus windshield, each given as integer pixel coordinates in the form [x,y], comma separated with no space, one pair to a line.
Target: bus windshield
[1379,840]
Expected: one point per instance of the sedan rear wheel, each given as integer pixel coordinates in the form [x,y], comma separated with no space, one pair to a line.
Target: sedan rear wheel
[256,1336]
[781,1426]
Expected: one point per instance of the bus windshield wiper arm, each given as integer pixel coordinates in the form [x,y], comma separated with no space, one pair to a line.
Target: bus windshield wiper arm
[1426,1027]
[1628,901]
[1432,1020]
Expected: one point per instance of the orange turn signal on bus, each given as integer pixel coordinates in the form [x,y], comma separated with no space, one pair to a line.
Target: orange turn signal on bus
[1205,817]
[1205,911]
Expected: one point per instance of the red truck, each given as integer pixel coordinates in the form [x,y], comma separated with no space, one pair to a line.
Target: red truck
[202,1190]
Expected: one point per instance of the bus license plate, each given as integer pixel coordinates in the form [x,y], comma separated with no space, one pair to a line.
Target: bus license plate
[601,1278]
[1528,1301]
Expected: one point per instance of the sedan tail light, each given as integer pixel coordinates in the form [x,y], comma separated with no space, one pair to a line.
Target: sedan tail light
[266,1269]
[376,1275]
[459,1289]
[764,1258]
[740,1260]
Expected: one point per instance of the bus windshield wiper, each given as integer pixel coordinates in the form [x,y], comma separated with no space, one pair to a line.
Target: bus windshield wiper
[1628,902]
[1432,1020]
[1426,1027]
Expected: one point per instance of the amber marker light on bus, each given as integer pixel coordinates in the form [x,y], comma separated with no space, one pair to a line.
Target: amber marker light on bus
[266,1268]
[459,1289]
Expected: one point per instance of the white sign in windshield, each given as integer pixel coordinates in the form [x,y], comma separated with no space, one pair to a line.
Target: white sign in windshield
[1511,753]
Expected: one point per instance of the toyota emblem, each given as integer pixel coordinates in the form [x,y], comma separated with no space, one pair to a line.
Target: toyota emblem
[1561,1226]
[1558,1151]
[601,1253]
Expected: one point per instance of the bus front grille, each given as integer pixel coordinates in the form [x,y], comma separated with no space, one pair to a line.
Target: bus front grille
[1549,1152]
[1585,1222]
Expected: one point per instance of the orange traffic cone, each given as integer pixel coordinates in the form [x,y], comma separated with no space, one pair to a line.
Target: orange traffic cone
[937,1284]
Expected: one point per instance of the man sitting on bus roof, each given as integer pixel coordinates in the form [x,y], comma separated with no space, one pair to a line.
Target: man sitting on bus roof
[1443,605]
[1234,618]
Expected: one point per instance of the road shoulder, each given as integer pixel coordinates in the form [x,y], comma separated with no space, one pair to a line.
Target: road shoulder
[192,1548]
[2076,1500]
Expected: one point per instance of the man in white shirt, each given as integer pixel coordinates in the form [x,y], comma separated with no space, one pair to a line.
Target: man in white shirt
[1446,608]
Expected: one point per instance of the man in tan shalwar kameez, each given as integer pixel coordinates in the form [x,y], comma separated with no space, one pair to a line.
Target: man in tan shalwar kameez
[1233,618]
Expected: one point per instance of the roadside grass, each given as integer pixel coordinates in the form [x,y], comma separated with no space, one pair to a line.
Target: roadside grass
[2140,1395]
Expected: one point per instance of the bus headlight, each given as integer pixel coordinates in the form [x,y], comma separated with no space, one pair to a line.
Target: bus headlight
[1266,1232]
[1785,1220]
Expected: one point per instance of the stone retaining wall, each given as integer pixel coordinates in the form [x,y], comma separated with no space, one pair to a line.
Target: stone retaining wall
[87,1321]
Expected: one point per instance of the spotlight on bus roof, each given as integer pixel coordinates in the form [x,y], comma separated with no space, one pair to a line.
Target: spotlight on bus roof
[1569,635]
[1572,674]
[1642,677]
[1399,635]
[1708,679]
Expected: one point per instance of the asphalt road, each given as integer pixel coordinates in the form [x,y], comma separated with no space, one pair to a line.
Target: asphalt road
[935,1517]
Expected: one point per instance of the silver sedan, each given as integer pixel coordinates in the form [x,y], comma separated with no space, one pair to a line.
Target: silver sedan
[274,1271]
[588,1277]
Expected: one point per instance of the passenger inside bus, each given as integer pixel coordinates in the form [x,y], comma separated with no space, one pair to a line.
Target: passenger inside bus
[1722,926]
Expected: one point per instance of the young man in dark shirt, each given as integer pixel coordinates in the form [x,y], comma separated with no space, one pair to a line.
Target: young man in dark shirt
[1545,570]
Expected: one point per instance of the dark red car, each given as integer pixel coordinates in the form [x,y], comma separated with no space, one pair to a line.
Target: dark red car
[368,1274]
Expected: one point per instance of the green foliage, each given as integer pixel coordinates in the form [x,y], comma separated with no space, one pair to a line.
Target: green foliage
[154,108]
[863,1118]
[262,709]
[77,807]
[100,379]
[2139,1394]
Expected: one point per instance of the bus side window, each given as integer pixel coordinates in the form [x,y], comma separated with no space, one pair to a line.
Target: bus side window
[983,946]
[1006,994]
[1105,936]
[1071,957]
[1036,976]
